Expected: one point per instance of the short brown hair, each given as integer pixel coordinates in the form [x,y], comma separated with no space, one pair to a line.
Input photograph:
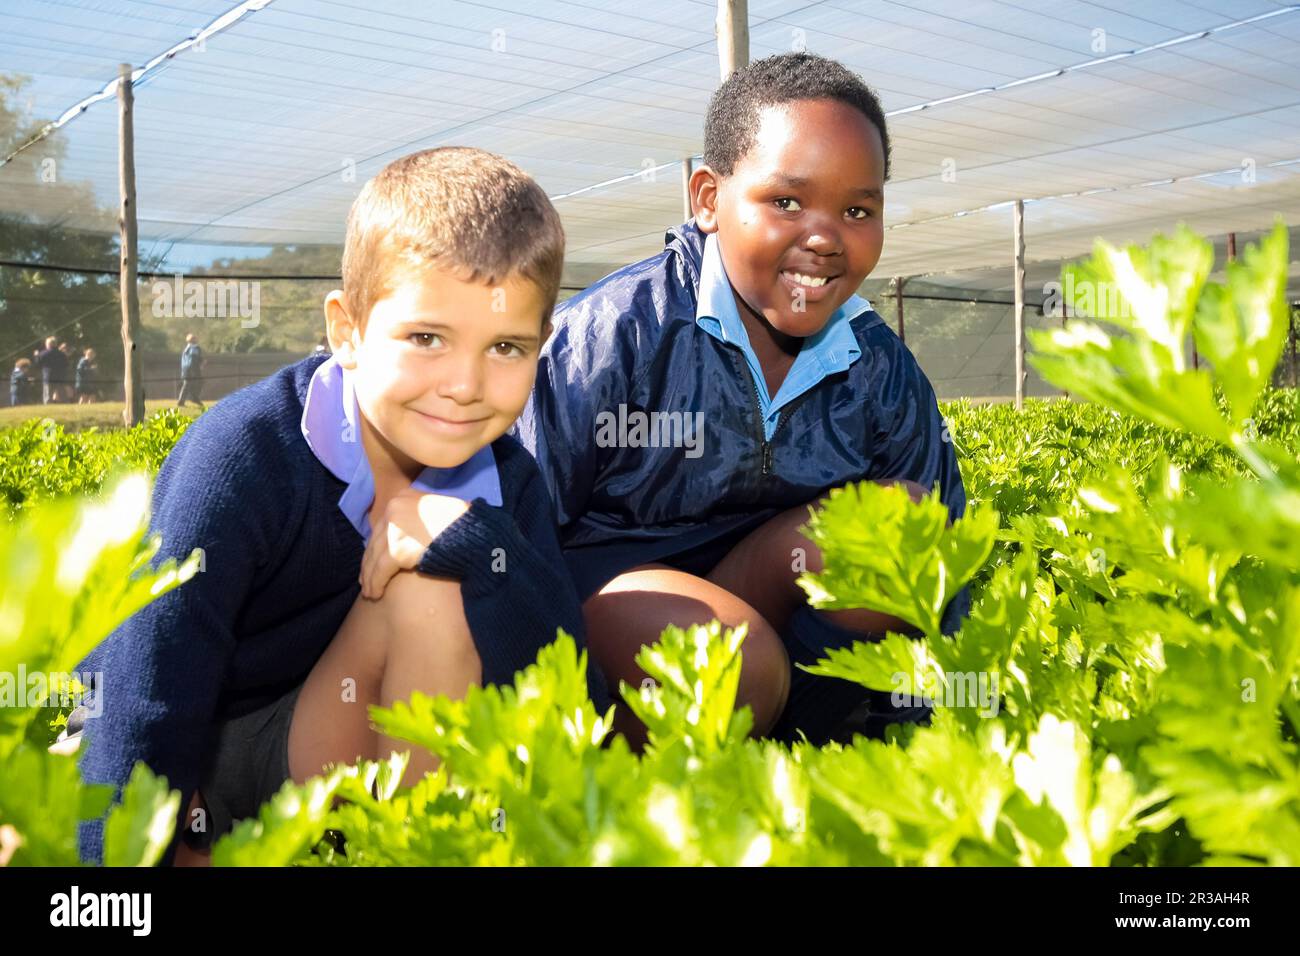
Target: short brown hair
[456,208]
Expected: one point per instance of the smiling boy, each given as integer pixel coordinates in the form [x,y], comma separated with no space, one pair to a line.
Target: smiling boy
[749,320]
[368,528]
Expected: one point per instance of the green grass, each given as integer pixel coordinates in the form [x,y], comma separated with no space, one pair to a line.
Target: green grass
[75,418]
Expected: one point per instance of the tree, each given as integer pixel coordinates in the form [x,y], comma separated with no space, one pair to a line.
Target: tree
[80,307]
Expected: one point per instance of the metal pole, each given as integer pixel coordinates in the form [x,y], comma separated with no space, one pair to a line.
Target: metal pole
[687,209]
[133,413]
[898,292]
[732,30]
[1018,244]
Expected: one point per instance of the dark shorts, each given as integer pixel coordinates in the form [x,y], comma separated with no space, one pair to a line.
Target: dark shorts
[248,764]
[696,552]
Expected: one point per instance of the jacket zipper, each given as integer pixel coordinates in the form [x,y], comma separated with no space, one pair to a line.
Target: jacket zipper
[766,444]
[765,456]
[786,414]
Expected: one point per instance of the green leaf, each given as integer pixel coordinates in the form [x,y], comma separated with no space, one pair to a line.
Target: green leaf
[73,571]
[40,800]
[285,828]
[140,828]
[691,697]
[1151,293]
[1241,326]
[887,553]
[895,663]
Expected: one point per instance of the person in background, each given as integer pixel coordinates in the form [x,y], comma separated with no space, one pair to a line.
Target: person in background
[53,366]
[66,392]
[87,376]
[191,373]
[322,347]
[21,383]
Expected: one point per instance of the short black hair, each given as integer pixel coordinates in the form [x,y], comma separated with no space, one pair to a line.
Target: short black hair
[733,116]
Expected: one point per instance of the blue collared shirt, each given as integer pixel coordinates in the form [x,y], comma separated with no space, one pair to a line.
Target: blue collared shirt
[833,349]
[331,425]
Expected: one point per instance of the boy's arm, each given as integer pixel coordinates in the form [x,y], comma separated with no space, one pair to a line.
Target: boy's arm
[514,582]
[912,441]
[163,669]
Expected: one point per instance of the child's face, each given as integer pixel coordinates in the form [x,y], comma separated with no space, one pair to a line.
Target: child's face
[443,367]
[806,200]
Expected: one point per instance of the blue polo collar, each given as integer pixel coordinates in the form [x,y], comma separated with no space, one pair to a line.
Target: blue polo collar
[331,425]
[833,349]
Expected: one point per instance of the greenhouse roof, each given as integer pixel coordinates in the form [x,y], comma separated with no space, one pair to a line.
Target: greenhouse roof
[1106,122]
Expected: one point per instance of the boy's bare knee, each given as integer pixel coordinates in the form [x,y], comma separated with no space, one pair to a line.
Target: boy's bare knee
[411,595]
[423,609]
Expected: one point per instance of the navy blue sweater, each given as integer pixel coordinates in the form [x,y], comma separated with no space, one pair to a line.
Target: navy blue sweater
[631,344]
[281,564]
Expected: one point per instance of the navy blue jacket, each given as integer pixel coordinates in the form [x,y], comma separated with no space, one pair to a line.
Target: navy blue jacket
[20,387]
[191,361]
[631,339]
[53,364]
[85,368]
[280,575]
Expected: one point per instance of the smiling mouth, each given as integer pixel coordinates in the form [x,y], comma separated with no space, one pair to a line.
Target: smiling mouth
[806,280]
[809,288]
[452,423]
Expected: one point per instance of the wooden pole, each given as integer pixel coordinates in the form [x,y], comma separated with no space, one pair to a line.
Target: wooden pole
[1291,332]
[1065,321]
[687,209]
[133,383]
[732,29]
[1291,343]
[898,293]
[1018,243]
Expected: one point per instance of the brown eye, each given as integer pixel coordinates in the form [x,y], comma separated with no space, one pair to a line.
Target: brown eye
[787,204]
[424,339]
[507,349]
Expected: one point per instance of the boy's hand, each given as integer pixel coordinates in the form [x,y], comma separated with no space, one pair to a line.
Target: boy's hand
[410,522]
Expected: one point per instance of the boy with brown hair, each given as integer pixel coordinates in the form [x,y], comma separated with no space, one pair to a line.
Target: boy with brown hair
[369,529]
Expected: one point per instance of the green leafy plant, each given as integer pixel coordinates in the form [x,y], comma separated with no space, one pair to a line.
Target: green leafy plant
[73,571]
[40,460]
[1125,690]
[1215,560]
